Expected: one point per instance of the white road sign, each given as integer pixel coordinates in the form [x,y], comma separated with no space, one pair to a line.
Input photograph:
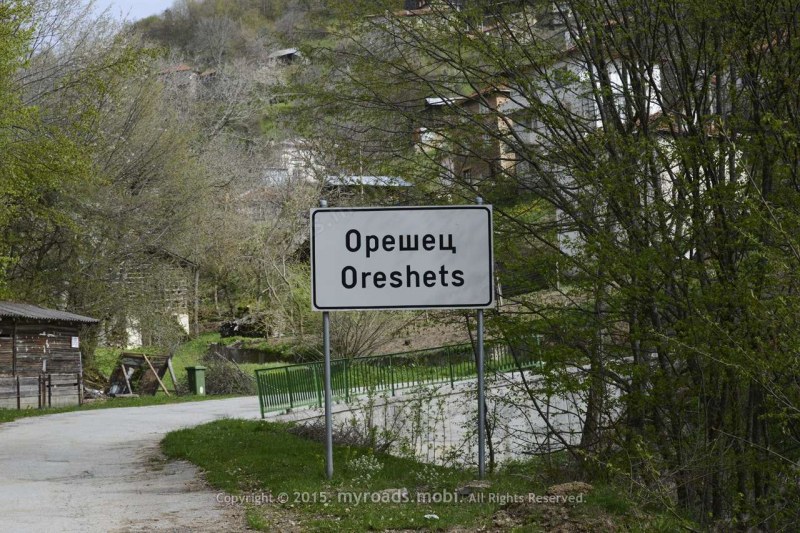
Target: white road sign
[402,258]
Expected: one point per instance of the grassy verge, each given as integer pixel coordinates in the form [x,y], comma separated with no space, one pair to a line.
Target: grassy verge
[251,368]
[191,353]
[258,459]
[9,415]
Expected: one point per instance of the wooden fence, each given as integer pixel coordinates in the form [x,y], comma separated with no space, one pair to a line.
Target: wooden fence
[44,390]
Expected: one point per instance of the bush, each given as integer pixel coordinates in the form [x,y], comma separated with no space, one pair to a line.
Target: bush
[225,377]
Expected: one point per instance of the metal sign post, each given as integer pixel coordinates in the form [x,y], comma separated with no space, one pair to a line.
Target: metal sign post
[326,346]
[481,399]
[326,341]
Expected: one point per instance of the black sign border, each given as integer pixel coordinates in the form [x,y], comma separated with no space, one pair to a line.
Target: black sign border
[486,208]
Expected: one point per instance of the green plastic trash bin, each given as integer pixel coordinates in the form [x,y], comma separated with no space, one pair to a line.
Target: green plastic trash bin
[197,379]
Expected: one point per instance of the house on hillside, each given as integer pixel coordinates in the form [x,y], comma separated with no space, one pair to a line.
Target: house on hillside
[497,131]
[467,155]
[184,77]
[417,5]
[40,357]
[164,301]
[367,190]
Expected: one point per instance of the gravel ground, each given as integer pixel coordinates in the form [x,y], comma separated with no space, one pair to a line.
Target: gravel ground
[102,470]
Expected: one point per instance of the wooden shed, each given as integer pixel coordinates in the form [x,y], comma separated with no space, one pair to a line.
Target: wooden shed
[40,357]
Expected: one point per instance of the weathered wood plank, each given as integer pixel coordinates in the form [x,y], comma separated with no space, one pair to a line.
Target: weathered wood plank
[172,375]
[155,374]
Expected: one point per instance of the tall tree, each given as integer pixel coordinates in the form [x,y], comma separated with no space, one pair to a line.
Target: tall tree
[39,160]
[648,149]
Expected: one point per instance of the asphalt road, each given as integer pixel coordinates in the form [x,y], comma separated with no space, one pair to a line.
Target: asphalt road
[102,470]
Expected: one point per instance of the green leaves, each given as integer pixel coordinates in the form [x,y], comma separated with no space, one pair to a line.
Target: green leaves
[37,161]
[642,160]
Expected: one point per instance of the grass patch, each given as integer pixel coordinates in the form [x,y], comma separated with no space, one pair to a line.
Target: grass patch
[191,353]
[9,415]
[252,457]
[245,456]
[105,358]
[251,368]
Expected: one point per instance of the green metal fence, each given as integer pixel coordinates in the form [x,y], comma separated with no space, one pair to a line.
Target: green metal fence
[302,385]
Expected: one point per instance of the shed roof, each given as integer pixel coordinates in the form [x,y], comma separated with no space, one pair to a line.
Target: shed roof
[15,310]
[283,53]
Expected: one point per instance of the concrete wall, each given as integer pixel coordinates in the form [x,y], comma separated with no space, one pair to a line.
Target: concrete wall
[439,423]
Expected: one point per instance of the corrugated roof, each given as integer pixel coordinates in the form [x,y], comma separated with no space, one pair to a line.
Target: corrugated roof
[283,53]
[15,310]
[374,181]
[438,101]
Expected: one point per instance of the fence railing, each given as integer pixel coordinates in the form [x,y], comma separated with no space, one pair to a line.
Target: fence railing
[299,385]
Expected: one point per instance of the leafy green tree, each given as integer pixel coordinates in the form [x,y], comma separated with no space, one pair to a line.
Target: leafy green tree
[648,149]
[113,191]
[39,160]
